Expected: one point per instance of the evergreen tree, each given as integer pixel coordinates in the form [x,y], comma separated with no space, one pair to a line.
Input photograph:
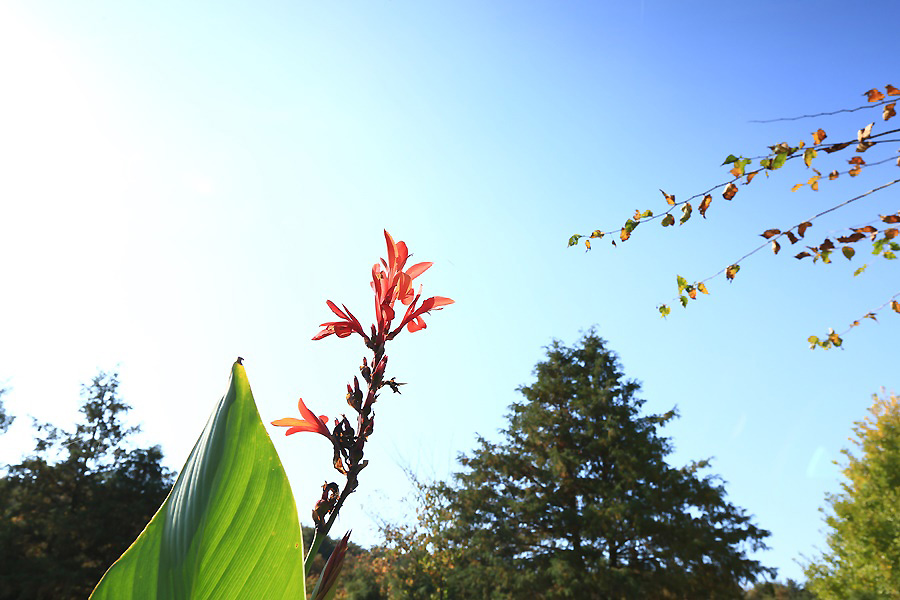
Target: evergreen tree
[578,501]
[863,560]
[69,511]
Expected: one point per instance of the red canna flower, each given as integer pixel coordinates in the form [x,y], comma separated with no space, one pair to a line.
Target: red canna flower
[413,317]
[309,422]
[343,328]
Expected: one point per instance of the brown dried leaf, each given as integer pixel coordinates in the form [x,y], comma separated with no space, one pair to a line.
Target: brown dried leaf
[891,233]
[669,199]
[775,246]
[818,136]
[803,255]
[889,111]
[730,191]
[874,95]
[794,239]
[891,90]
[836,147]
[852,238]
[802,227]
[856,160]
[826,245]
[895,306]
[692,292]
[707,200]
[750,176]
[866,229]
[855,171]
[770,233]
[889,218]
[833,175]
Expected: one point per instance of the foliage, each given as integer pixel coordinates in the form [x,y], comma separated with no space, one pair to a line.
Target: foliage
[6,419]
[71,508]
[229,527]
[773,590]
[578,501]
[863,560]
[880,231]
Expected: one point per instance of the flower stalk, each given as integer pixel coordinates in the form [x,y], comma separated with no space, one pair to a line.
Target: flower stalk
[391,281]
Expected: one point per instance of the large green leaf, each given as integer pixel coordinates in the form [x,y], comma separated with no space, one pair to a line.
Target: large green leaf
[229,527]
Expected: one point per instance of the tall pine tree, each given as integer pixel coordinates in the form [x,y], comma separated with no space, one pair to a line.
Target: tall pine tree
[578,501]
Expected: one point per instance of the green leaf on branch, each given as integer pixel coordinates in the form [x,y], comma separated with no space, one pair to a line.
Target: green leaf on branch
[778,161]
[574,239]
[685,213]
[664,310]
[684,301]
[682,283]
[731,158]
[848,252]
[860,270]
[229,528]
[668,220]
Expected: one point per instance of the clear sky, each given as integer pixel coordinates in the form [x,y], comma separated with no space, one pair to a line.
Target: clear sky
[183,183]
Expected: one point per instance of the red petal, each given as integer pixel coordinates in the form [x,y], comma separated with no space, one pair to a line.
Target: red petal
[336,310]
[416,324]
[402,255]
[288,422]
[390,249]
[417,269]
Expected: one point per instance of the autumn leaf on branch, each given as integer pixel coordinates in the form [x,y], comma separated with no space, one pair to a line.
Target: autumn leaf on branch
[884,237]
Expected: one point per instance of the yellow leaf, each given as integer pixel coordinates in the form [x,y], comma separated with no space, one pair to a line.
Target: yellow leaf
[855,171]
[731,271]
[587,244]
[895,306]
[797,187]
[702,287]
[669,199]
[864,133]
[624,234]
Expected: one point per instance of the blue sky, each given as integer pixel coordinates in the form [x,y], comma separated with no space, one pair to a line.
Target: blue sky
[183,184]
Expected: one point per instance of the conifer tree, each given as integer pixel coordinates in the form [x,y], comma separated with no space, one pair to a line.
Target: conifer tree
[578,500]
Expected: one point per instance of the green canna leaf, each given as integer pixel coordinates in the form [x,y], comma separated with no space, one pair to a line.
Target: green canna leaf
[229,527]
